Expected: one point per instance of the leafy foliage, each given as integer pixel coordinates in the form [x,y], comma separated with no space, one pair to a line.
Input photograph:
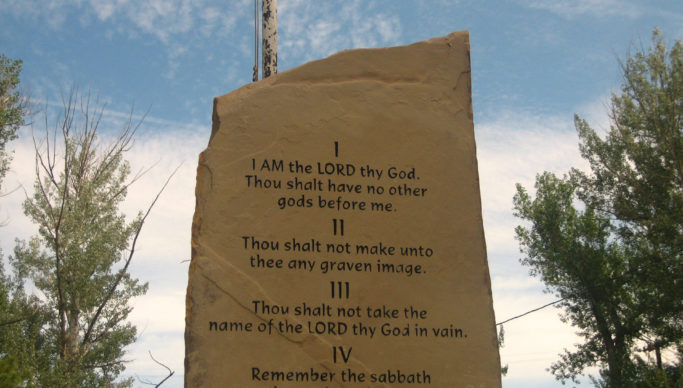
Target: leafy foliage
[609,243]
[18,314]
[13,107]
[10,376]
[20,336]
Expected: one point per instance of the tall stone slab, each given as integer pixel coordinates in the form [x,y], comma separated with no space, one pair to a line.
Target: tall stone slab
[337,239]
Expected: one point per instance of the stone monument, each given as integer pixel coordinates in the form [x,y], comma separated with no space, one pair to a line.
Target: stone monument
[337,239]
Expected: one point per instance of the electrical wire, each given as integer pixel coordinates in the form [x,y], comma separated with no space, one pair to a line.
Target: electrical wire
[530,311]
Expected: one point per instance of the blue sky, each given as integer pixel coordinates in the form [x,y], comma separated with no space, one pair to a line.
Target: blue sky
[534,64]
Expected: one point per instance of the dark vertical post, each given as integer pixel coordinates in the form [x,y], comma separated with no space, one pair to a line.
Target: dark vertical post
[269,38]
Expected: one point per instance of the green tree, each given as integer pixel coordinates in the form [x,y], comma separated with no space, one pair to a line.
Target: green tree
[79,262]
[21,339]
[13,108]
[609,242]
[637,179]
[15,306]
[571,250]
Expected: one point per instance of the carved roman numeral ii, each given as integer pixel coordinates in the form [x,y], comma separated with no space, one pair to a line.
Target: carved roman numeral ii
[337,227]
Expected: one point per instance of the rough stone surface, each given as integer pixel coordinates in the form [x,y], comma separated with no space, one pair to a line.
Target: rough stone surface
[282,291]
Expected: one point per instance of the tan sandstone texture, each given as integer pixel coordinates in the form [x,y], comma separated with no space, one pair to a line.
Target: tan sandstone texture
[337,239]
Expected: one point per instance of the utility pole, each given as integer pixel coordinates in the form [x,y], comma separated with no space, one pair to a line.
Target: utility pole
[254,77]
[269,38]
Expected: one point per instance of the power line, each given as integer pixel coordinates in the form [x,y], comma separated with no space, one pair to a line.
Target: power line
[530,311]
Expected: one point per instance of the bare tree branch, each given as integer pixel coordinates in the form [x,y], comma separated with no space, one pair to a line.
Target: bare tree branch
[170,373]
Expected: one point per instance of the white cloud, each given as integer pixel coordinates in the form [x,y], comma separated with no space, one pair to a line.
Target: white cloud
[323,36]
[18,183]
[171,22]
[166,349]
[105,9]
[531,341]
[160,319]
[164,246]
[388,28]
[315,30]
[595,8]
[505,284]
[512,149]
[210,18]
[596,113]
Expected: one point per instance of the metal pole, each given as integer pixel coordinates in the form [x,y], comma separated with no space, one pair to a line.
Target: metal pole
[269,38]
[254,77]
